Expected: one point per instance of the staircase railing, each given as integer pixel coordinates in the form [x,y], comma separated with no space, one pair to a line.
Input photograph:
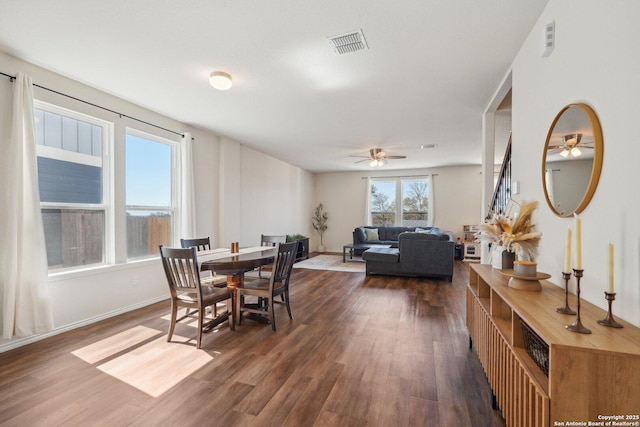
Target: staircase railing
[502,192]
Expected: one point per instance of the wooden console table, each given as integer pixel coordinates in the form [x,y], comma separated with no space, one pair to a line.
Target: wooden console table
[589,376]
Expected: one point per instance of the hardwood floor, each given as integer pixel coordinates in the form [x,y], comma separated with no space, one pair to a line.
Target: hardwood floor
[361,351]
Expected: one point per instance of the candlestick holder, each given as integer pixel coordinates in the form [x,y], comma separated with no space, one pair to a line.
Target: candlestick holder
[566,309]
[577,325]
[609,320]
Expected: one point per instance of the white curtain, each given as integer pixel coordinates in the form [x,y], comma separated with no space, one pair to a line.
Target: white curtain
[367,203]
[432,192]
[188,207]
[26,306]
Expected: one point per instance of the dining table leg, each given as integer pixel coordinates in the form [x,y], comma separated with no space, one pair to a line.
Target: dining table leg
[233,281]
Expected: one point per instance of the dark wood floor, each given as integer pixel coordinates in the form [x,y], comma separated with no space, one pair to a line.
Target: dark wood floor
[361,351]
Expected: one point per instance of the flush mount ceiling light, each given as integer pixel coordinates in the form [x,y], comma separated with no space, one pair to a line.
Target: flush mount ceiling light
[220,80]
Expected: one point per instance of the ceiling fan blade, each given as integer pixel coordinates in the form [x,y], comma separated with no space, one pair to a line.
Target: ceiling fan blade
[363,160]
[362,157]
[395,157]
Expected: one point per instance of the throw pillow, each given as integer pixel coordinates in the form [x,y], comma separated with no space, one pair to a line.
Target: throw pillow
[421,230]
[372,233]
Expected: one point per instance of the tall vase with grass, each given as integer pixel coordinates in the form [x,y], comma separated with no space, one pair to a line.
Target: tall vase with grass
[319,223]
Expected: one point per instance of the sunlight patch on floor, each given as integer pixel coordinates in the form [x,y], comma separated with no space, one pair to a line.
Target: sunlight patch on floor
[153,368]
[149,366]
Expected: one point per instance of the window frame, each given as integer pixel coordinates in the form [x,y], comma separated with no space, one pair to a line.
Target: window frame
[174,208]
[107,168]
[399,181]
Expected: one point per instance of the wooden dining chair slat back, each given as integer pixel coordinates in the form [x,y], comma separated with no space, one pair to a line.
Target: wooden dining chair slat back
[207,277]
[269,240]
[183,277]
[200,243]
[267,289]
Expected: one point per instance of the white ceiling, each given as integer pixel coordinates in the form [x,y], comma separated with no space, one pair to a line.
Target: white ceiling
[431,69]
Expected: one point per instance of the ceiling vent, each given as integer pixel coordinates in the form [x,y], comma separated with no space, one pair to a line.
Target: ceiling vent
[347,43]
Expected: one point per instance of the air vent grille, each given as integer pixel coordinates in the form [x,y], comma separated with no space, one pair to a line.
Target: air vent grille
[348,43]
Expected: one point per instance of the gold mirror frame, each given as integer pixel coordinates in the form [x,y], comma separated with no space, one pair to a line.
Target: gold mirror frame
[598,148]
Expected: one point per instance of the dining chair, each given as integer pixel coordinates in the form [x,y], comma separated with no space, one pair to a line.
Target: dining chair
[183,276]
[269,241]
[200,243]
[268,289]
[204,244]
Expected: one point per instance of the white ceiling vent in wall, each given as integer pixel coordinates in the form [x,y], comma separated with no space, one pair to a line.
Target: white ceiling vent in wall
[347,43]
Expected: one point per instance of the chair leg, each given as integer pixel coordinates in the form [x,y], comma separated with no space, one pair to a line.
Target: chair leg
[200,321]
[174,316]
[285,296]
[272,314]
[232,320]
[239,301]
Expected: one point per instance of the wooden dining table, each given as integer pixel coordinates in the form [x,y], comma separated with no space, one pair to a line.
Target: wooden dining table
[234,265]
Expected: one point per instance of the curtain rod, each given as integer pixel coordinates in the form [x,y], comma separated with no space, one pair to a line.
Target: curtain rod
[12,78]
[405,176]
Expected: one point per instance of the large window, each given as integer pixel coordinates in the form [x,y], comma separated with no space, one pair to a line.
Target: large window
[73,179]
[400,201]
[150,197]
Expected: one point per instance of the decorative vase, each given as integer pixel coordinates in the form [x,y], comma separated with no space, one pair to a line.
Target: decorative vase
[507,260]
[496,257]
[320,249]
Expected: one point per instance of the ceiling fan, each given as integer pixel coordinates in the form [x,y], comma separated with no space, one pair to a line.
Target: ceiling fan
[377,157]
[571,146]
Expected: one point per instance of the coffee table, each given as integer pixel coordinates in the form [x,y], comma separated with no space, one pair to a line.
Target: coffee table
[351,247]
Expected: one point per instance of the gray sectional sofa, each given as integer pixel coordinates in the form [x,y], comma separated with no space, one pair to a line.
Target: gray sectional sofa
[387,235]
[417,254]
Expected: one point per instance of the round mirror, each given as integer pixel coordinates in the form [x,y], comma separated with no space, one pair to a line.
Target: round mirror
[572,159]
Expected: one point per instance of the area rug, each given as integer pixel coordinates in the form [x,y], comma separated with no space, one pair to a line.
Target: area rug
[331,262]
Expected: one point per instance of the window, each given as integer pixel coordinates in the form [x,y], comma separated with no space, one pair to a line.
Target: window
[400,201]
[150,193]
[73,180]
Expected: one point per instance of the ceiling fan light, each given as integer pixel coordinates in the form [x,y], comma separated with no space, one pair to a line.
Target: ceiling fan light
[564,153]
[373,163]
[575,152]
[220,80]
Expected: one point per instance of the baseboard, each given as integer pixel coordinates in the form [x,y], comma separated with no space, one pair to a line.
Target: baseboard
[19,342]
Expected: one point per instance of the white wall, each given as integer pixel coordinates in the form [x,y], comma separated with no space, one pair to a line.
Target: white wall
[226,174]
[457,199]
[594,63]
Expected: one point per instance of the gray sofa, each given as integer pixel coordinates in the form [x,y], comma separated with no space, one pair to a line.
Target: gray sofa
[386,235]
[417,254]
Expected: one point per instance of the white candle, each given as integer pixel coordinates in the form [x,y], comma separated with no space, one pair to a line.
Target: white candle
[567,253]
[610,268]
[578,242]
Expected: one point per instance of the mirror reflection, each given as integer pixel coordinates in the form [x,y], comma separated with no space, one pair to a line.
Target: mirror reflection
[572,159]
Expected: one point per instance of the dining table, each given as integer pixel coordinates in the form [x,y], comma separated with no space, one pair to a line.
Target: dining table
[235,264]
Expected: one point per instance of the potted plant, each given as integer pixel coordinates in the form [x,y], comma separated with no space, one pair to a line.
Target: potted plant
[319,223]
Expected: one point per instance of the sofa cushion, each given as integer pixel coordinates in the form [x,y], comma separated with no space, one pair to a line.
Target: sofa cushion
[371,234]
[359,236]
[421,236]
[392,232]
[381,254]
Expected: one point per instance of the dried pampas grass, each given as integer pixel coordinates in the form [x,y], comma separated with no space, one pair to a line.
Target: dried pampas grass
[517,235]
